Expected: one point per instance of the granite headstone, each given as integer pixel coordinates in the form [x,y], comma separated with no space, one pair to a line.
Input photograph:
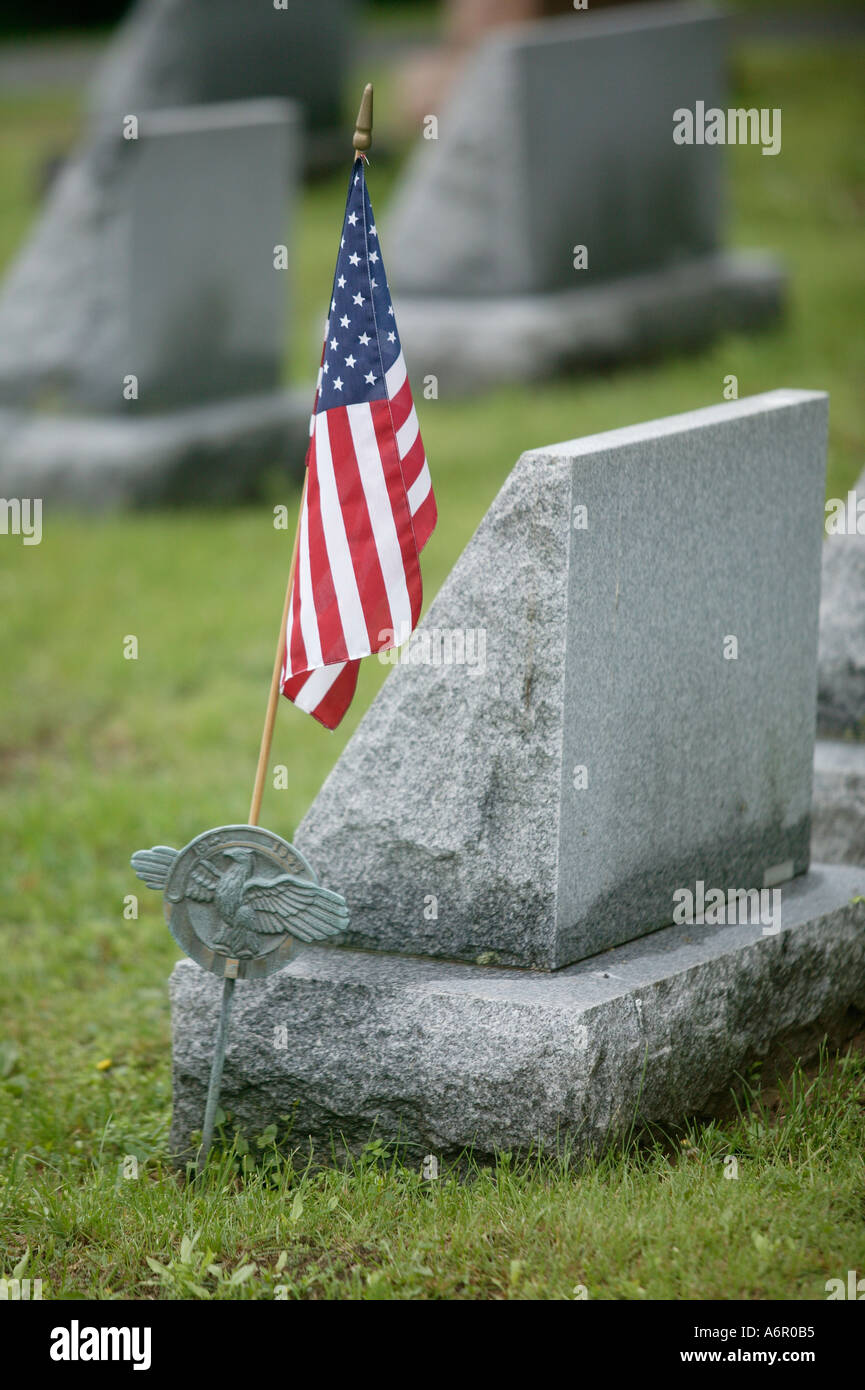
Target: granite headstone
[455,824]
[559,136]
[150,288]
[194,304]
[645,602]
[841,655]
[181,52]
[839,756]
[562,133]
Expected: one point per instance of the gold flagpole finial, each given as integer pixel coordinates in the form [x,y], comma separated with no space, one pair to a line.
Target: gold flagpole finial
[362,138]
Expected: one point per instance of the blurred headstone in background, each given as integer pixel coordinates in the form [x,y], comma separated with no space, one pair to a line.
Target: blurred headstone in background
[558,137]
[427,77]
[841,690]
[142,329]
[186,52]
[195,304]
[839,759]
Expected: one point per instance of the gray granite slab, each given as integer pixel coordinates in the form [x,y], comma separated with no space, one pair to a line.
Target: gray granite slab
[838,812]
[219,452]
[561,133]
[555,147]
[193,303]
[474,344]
[189,52]
[841,656]
[143,326]
[154,258]
[443,1055]
[455,822]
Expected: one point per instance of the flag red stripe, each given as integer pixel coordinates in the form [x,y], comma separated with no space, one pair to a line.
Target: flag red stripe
[425,519]
[401,405]
[332,708]
[413,462]
[324,593]
[392,465]
[364,553]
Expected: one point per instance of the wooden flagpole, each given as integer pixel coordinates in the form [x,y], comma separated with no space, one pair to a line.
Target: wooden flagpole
[361,141]
[273,696]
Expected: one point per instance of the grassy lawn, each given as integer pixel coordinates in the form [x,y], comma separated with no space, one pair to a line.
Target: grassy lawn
[769,1206]
[101,755]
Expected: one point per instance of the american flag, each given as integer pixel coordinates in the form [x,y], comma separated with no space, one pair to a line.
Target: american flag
[368,508]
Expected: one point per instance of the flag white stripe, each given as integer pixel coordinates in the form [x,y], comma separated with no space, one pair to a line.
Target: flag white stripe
[395,376]
[308,623]
[313,691]
[407,433]
[420,488]
[381,517]
[337,546]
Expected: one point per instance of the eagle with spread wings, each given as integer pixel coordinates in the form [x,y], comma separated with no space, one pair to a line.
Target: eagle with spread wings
[249,906]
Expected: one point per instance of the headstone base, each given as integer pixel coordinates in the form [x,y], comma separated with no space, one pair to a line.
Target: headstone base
[471,344]
[443,1055]
[212,453]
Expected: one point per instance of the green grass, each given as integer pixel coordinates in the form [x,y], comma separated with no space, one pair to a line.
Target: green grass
[34,127]
[768,1206]
[100,755]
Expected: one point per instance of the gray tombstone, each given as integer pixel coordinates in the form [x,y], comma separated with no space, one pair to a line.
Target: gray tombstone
[841,658]
[457,826]
[560,133]
[182,52]
[644,713]
[839,758]
[194,304]
[149,288]
[838,812]
[559,136]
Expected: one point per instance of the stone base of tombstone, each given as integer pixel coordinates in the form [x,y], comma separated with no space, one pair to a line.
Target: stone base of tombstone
[470,344]
[442,1055]
[212,453]
[838,812]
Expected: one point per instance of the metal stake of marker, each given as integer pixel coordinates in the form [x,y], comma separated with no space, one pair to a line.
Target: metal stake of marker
[216,1069]
[361,142]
